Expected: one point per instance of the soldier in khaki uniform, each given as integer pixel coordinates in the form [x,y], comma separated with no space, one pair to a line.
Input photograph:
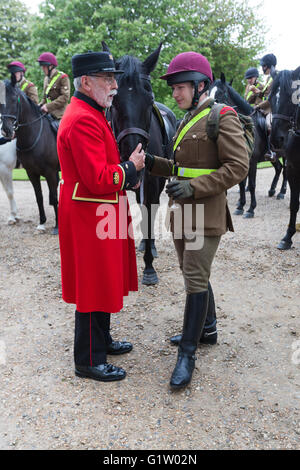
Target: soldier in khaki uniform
[205,169]
[268,64]
[17,69]
[56,87]
[253,87]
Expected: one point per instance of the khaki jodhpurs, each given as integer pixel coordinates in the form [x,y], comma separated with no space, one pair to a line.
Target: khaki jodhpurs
[196,264]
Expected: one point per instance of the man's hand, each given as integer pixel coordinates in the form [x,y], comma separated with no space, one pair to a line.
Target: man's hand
[138,158]
[44,108]
[179,189]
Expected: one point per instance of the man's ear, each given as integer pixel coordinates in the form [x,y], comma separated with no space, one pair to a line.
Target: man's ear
[85,83]
[201,85]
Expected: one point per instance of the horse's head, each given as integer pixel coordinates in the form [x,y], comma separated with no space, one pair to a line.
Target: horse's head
[10,110]
[132,106]
[284,99]
[220,91]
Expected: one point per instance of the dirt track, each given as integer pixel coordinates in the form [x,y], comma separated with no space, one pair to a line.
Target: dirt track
[245,392]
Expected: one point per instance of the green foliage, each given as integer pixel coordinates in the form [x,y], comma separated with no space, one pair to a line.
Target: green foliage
[14,33]
[228,32]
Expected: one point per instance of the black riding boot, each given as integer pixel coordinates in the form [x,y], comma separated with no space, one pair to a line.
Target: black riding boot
[193,323]
[209,334]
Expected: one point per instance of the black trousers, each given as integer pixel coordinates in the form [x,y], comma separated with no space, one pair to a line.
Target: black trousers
[91,338]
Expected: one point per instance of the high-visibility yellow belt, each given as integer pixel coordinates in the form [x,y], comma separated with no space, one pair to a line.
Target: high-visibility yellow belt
[190,172]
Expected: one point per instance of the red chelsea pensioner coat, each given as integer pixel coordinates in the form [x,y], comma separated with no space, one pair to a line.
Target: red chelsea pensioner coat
[96,273]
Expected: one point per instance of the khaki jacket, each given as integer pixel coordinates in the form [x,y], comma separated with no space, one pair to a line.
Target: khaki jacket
[57,97]
[29,89]
[228,154]
[253,98]
[265,106]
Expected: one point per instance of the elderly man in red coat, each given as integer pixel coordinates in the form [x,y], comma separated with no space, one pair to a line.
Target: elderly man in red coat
[98,261]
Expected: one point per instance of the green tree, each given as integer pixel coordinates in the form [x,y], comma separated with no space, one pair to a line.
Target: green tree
[228,32]
[14,33]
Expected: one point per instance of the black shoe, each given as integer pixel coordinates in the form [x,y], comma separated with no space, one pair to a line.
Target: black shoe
[209,336]
[103,372]
[193,324]
[119,347]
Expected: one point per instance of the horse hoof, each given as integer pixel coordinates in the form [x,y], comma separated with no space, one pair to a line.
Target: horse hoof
[284,245]
[248,215]
[41,228]
[239,212]
[12,221]
[280,196]
[271,192]
[150,279]
[55,231]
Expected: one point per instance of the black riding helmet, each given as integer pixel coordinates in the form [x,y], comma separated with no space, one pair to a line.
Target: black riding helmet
[252,72]
[268,60]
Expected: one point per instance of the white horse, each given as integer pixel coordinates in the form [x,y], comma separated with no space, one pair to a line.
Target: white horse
[8,158]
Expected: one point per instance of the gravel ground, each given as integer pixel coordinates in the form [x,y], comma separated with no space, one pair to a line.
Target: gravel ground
[245,392]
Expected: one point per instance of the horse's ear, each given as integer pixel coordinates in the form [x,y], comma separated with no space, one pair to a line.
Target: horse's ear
[296,74]
[231,82]
[149,64]
[13,79]
[223,80]
[105,47]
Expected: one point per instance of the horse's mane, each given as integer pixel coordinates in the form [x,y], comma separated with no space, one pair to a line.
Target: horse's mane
[283,80]
[131,67]
[35,107]
[242,104]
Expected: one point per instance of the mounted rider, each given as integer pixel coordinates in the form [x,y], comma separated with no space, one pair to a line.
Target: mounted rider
[17,70]
[56,87]
[253,88]
[204,168]
[268,64]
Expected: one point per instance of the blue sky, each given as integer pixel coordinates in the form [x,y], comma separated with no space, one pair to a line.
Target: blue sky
[283,19]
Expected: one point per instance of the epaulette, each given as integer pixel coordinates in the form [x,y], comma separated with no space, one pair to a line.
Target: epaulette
[64,75]
[227,108]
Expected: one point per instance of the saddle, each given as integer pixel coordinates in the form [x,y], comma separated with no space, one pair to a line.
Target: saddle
[54,123]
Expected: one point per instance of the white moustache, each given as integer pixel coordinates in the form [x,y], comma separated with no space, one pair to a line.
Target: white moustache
[113,93]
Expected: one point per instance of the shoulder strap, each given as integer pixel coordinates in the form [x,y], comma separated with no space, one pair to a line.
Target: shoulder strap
[212,125]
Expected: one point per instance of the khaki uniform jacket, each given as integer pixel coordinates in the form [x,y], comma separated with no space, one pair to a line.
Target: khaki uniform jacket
[253,98]
[265,104]
[228,154]
[29,89]
[59,93]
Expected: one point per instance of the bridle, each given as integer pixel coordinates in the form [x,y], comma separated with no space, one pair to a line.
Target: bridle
[134,130]
[16,124]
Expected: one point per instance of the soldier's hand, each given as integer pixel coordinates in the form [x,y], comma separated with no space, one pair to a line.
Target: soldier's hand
[44,108]
[179,189]
[138,157]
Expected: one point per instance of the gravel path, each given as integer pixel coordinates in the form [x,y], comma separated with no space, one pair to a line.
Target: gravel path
[245,392]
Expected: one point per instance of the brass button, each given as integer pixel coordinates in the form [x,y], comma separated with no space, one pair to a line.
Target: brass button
[194,136]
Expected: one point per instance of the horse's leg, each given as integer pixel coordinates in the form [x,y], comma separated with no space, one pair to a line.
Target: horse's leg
[277,167]
[52,181]
[282,192]
[294,182]
[36,183]
[149,277]
[252,185]
[242,199]
[6,180]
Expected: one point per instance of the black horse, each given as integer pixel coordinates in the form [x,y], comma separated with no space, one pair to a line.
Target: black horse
[36,145]
[223,92]
[285,136]
[136,117]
